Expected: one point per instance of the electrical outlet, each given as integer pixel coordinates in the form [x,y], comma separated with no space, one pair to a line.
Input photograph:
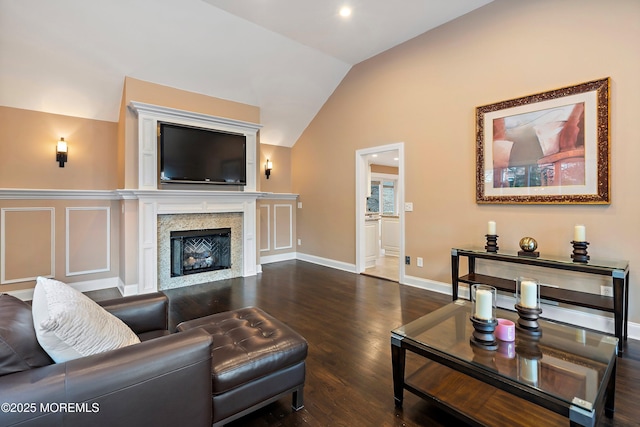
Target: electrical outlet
[407,260]
[606,291]
[299,242]
[419,262]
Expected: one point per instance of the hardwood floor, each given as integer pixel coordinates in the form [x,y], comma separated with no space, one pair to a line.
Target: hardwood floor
[347,319]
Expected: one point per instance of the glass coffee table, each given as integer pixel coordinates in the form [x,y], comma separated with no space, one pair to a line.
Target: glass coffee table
[568,370]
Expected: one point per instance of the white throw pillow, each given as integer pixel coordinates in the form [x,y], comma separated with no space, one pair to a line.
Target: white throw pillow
[70,325]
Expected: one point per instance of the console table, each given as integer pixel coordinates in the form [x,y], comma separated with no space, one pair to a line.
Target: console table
[618,270]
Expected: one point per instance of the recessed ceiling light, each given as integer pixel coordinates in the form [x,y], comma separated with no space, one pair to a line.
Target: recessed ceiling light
[396,159]
[374,155]
[345,11]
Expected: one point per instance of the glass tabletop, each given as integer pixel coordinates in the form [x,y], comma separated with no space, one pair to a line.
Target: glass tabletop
[566,363]
[608,264]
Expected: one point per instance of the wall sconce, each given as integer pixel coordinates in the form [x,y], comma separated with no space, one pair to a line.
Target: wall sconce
[61,152]
[267,168]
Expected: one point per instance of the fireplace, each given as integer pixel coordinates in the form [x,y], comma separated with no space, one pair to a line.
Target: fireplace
[199,251]
[202,230]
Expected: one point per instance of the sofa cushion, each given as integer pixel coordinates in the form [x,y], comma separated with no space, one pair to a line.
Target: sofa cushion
[19,348]
[70,325]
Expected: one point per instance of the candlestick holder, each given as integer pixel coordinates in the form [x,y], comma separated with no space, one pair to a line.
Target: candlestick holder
[483,316]
[483,333]
[492,243]
[528,321]
[580,251]
[528,306]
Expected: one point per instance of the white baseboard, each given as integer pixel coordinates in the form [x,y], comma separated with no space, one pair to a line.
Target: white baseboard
[86,286]
[338,265]
[268,259]
[589,320]
[127,290]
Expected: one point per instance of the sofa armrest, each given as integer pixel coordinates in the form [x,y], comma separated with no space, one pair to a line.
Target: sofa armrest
[161,382]
[142,313]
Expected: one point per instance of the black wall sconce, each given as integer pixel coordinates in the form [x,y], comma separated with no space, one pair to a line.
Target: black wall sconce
[267,168]
[61,152]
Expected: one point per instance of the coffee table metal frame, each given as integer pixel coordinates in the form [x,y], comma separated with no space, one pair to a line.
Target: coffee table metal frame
[579,412]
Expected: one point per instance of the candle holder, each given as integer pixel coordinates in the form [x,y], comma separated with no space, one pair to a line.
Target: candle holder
[483,316]
[528,306]
[580,251]
[492,243]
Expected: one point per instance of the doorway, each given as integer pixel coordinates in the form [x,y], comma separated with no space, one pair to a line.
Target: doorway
[380,211]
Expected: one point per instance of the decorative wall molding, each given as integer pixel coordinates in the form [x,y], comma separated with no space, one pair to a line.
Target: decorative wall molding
[289,244]
[69,225]
[56,194]
[35,194]
[3,243]
[268,224]
[279,196]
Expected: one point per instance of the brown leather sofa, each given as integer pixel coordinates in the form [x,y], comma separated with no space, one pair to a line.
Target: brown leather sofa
[163,381]
[214,370]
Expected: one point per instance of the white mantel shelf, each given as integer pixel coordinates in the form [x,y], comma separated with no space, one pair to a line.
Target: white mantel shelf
[125,194]
[189,194]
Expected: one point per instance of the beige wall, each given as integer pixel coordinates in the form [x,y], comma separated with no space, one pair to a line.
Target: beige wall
[424,93]
[280,179]
[28,146]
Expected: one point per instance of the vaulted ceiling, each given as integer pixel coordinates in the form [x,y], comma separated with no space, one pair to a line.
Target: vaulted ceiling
[285,56]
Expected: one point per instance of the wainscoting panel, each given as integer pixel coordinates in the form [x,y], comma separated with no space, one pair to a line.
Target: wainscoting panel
[88,240]
[27,244]
[282,226]
[265,228]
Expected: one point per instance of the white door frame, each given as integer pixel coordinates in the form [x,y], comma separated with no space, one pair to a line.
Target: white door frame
[361,197]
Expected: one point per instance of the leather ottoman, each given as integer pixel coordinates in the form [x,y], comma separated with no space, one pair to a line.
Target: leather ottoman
[256,359]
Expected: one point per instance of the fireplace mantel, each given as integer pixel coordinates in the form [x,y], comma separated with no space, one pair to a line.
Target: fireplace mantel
[152,203]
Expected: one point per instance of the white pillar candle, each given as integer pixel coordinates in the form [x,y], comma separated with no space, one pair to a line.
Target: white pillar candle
[528,294]
[484,304]
[491,228]
[579,233]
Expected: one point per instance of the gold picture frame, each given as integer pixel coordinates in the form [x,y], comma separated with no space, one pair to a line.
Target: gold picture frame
[551,147]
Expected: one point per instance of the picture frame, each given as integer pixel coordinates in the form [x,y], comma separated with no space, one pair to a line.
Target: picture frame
[551,147]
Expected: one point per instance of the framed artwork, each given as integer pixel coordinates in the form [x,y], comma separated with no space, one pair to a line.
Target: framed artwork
[552,147]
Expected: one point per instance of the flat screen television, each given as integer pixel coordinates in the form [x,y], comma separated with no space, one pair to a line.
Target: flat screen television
[196,155]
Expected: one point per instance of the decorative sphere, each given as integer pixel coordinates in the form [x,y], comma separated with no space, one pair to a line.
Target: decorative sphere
[528,244]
